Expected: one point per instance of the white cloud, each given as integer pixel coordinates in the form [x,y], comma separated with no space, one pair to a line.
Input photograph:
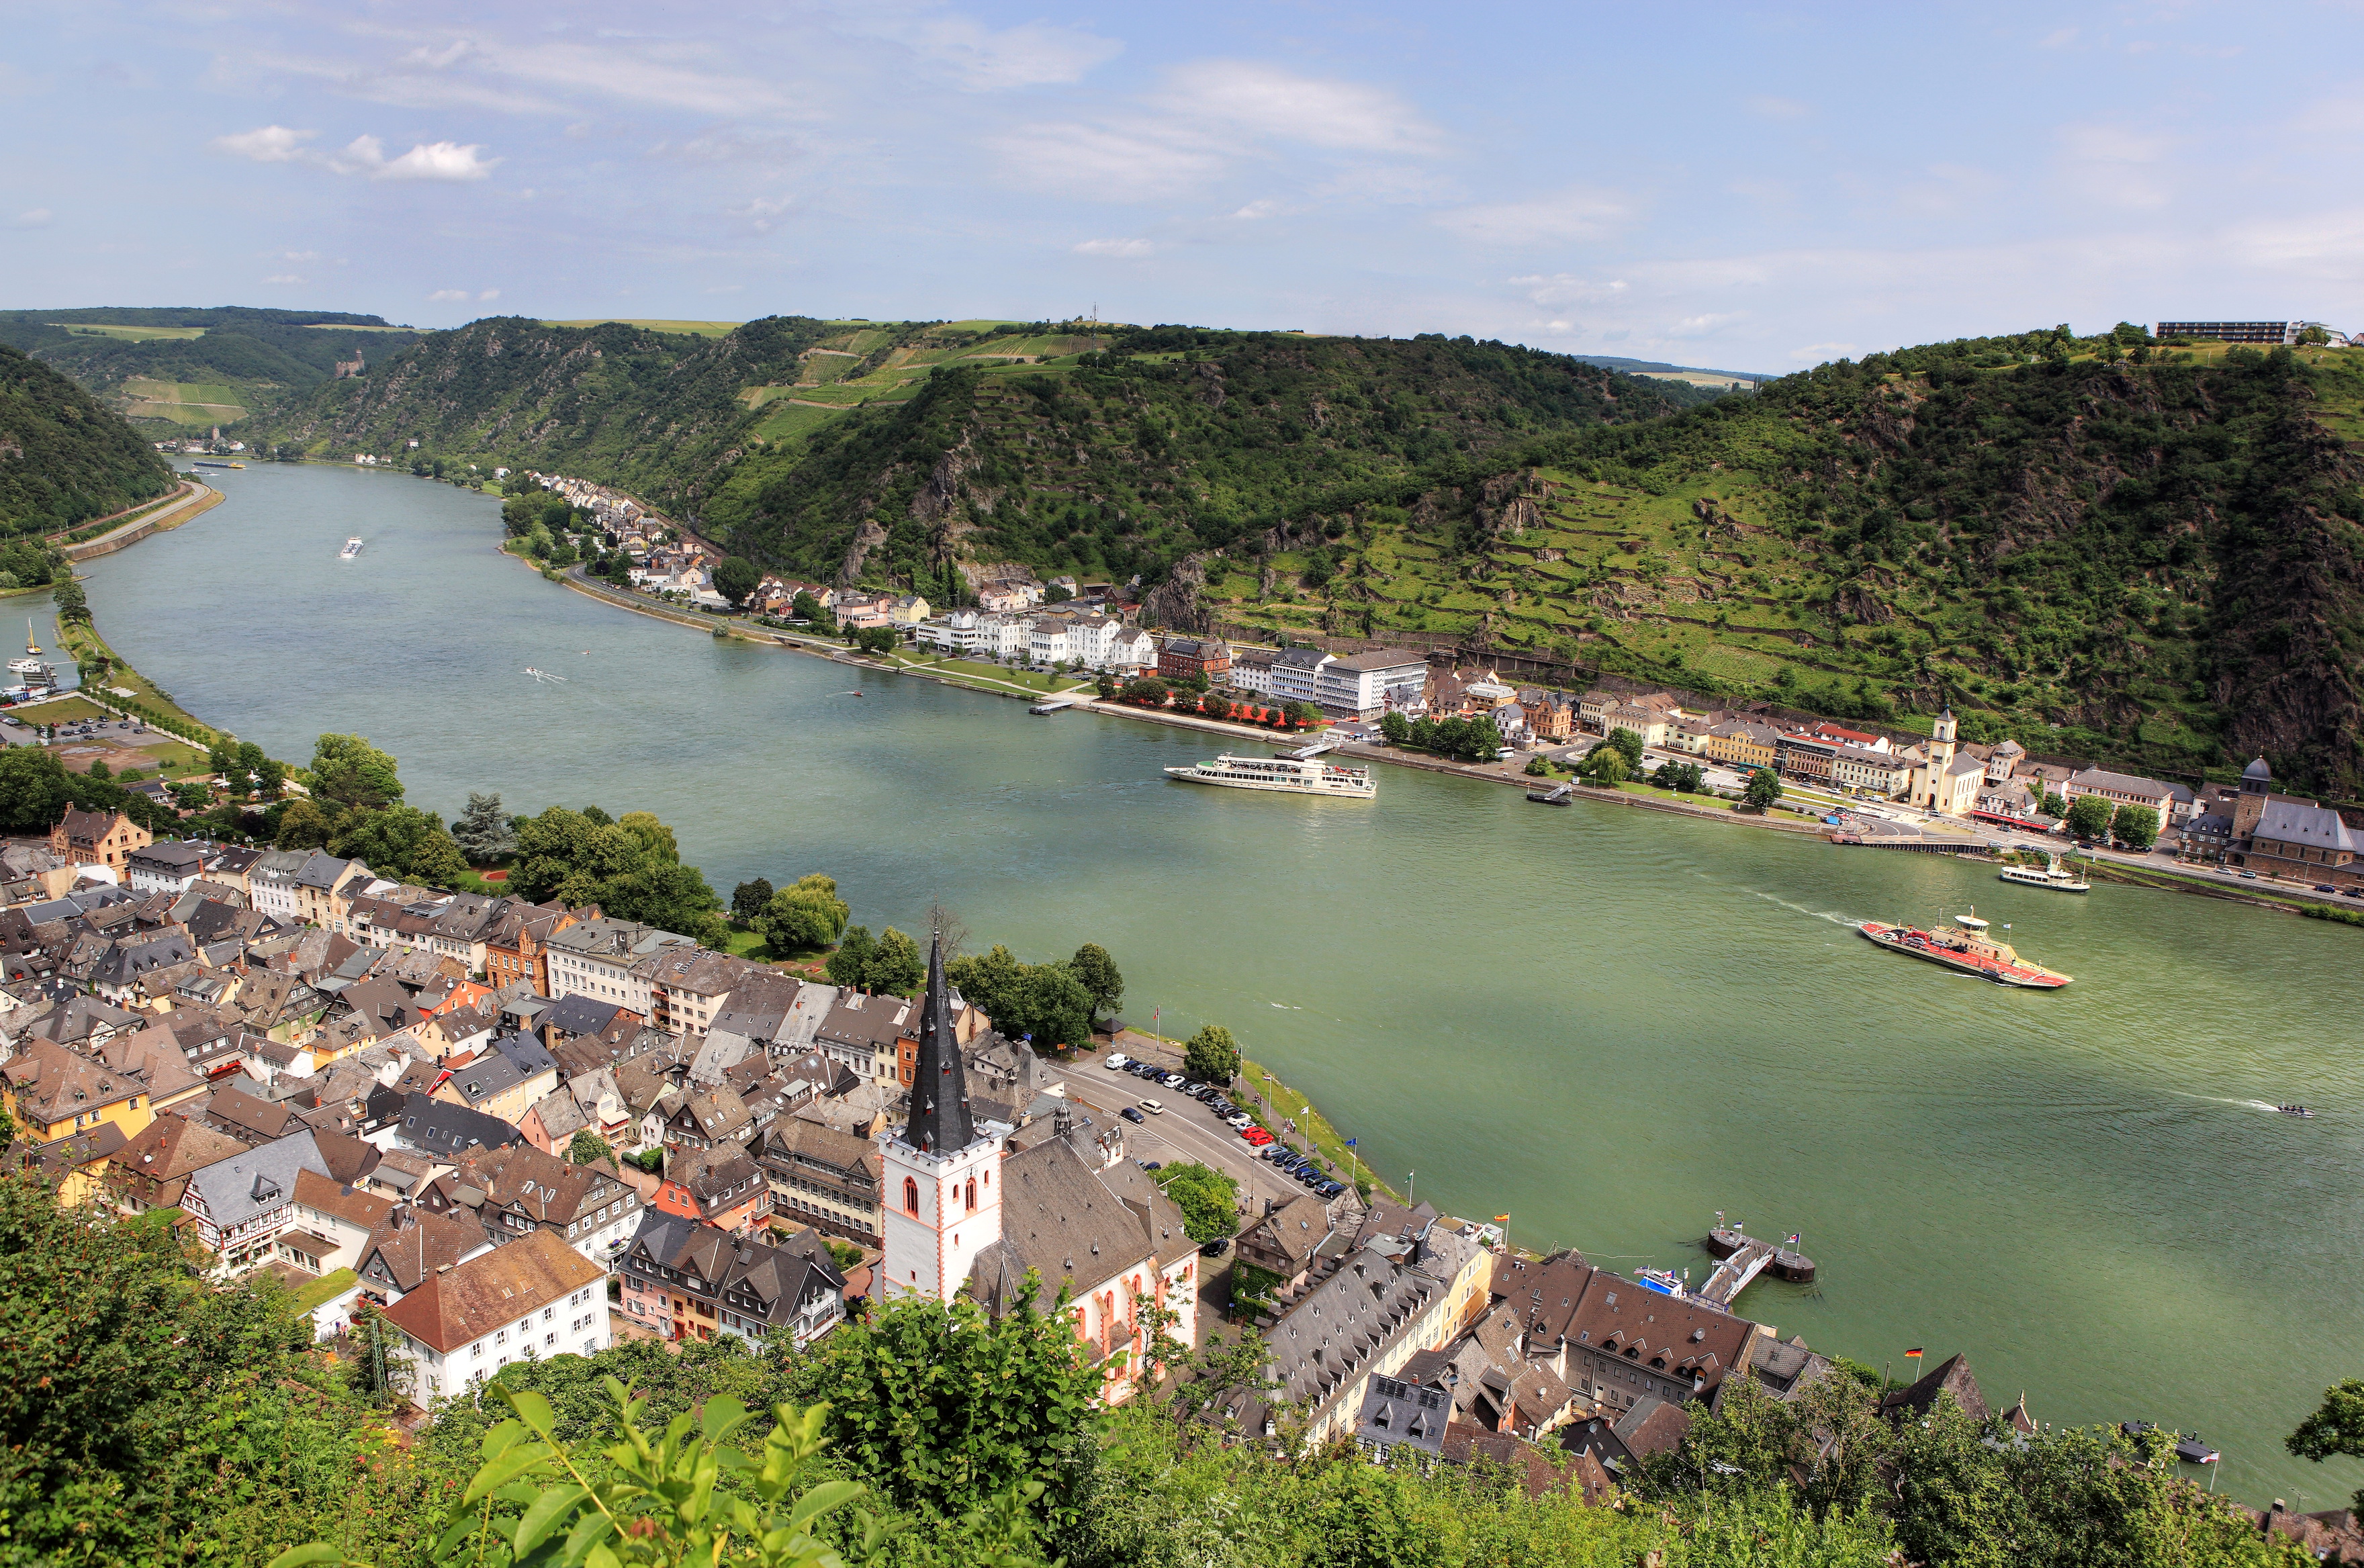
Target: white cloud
[1566,288]
[1115,247]
[1574,213]
[299,256]
[34,218]
[2327,245]
[1815,353]
[1774,108]
[1259,209]
[362,155]
[1113,163]
[2115,165]
[267,144]
[1262,100]
[489,294]
[1702,325]
[763,214]
[2059,37]
[1032,55]
[437,58]
[285,278]
[431,161]
[445,296]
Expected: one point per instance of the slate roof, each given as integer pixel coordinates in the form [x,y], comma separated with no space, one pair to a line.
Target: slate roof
[576,1014]
[1060,1218]
[1952,1376]
[235,1111]
[440,1127]
[162,1153]
[756,1279]
[411,1245]
[256,1181]
[452,1310]
[1338,1328]
[545,1188]
[2313,826]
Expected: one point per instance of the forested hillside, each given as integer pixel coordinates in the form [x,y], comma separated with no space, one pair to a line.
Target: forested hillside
[2106,548]
[64,457]
[1123,460]
[623,404]
[188,367]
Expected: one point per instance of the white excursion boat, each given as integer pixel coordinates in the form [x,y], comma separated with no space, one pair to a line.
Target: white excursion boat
[352,548]
[2053,875]
[1290,775]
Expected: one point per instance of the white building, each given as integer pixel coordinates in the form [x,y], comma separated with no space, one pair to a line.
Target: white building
[1048,642]
[1297,675]
[1365,685]
[1252,670]
[598,959]
[1132,650]
[534,1298]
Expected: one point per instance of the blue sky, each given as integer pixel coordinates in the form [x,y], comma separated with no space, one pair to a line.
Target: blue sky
[1742,187]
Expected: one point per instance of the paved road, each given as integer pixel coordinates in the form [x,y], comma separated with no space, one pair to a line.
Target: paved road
[1188,1130]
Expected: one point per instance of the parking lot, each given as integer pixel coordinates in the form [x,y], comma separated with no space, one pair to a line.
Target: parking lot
[1186,1130]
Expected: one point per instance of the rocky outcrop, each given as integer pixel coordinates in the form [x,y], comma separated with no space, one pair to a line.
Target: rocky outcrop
[1175,603]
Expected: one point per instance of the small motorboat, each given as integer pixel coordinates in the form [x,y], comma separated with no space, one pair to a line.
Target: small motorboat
[2295,1110]
[1663,1281]
[2191,1450]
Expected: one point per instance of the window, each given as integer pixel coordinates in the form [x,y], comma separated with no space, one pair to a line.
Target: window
[971,1195]
[910,1195]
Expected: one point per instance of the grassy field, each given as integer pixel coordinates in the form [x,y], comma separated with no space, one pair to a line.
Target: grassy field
[793,422]
[693,328]
[182,402]
[997,674]
[82,641]
[129,334]
[59,710]
[1312,1126]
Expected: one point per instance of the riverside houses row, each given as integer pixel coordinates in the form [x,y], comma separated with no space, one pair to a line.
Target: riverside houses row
[528,1130]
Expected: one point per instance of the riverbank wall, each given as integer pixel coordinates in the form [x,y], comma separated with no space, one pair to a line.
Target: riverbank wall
[194,500]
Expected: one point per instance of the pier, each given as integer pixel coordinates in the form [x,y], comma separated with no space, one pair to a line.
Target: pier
[1742,1257]
[1055,705]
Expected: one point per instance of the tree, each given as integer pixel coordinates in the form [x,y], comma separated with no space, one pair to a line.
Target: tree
[895,967]
[189,795]
[270,777]
[805,607]
[2336,1427]
[1214,705]
[2089,816]
[630,868]
[748,900]
[588,1146]
[1604,765]
[33,794]
[1396,727]
[1147,691]
[301,824]
[483,831]
[1212,1056]
[2053,805]
[807,915]
[1764,788]
[736,579]
[1095,971]
[347,770]
[221,758]
[2136,827]
[946,1405]
[1537,768]
[1208,1198]
[1056,1010]
[99,771]
[1107,685]
[1628,742]
[850,965]
[399,841]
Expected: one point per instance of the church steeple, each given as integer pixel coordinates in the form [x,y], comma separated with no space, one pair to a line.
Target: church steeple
[940,1120]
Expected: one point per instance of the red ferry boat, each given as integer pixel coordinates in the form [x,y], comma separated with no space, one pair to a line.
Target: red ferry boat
[1965,945]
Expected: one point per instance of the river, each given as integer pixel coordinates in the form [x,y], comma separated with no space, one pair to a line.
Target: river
[1609,1023]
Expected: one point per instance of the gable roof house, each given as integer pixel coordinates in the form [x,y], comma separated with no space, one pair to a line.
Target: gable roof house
[536,1298]
[722,1187]
[823,1177]
[242,1203]
[520,1189]
[694,1282]
[411,1244]
[151,1168]
[329,1224]
[447,1131]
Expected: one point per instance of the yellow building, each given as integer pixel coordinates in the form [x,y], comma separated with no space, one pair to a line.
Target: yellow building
[55,1093]
[1742,743]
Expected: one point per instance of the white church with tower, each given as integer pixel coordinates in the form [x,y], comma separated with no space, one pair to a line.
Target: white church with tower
[975,1204]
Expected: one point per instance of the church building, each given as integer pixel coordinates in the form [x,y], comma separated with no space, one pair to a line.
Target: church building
[2281,835]
[1948,784]
[965,1211]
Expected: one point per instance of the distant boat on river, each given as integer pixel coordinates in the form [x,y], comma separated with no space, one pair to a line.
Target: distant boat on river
[352,548]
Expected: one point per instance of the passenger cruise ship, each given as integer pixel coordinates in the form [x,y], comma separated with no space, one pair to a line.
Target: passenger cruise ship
[1290,775]
[352,548]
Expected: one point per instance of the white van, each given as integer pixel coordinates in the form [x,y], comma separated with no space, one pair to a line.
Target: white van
[1116,1061]
[1153,1107]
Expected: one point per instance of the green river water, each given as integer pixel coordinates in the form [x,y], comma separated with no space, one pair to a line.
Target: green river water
[1610,1023]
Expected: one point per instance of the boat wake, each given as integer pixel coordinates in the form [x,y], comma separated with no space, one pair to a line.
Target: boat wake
[1833,916]
[2267,1106]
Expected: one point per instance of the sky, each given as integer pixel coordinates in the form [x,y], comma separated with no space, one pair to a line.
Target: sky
[1739,188]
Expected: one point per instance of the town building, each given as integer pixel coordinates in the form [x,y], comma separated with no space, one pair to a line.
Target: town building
[539,1297]
[1745,744]
[824,1178]
[1297,674]
[721,1187]
[152,1169]
[693,1281]
[516,1190]
[1946,782]
[1183,657]
[239,1205]
[603,958]
[2283,836]
[166,867]
[1365,685]
[328,1224]
[1251,670]
[2121,789]
[97,838]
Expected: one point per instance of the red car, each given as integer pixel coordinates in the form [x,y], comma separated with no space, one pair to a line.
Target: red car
[1255,1135]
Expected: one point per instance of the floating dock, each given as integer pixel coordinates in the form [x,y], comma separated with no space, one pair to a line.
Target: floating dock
[1056,705]
[1742,1257]
[1560,796]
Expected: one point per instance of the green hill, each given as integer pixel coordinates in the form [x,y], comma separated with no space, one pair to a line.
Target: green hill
[64,459]
[169,368]
[2156,562]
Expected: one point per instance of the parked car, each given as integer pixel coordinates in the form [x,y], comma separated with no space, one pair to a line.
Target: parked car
[2324,887]
[2356,893]
[1129,1114]
[1331,1189]
[1152,1164]
[1255,1136]
[1238,1122]
[1174,1080]
[1155,1108]
[1116,1059]
[1216,1248]
[2249,875]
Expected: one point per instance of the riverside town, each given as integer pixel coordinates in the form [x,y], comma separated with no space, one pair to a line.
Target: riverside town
[1197,850]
